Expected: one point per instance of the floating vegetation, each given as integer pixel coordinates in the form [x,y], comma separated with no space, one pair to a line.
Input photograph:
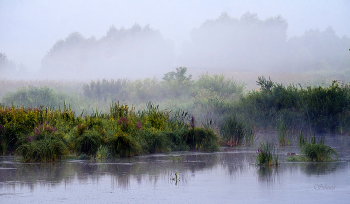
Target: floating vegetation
[314,150]
[267,155]
[176,178]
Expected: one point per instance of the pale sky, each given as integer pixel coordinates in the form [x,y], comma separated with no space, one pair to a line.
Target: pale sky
[29,28]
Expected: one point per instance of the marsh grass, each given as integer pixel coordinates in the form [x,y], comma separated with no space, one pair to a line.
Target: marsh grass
[235,131]
[88,142]
[314,150]
[267,155]
[124,145]
[103,153]
[127,132]
[322,109]
[282,134]
[49,149]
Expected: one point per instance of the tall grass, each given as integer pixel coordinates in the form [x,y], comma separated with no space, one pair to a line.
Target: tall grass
[235,131]
[315,150]
[324,109]
[267,155]
[45,135]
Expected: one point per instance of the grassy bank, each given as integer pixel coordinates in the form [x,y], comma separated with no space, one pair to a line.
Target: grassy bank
[45,135]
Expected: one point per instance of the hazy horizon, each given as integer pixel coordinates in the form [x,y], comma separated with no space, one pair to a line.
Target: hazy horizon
[32,28]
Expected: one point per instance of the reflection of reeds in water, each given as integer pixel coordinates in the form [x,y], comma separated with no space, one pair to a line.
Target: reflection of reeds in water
[267,174]
[319,168]
[122,171]
[236,163]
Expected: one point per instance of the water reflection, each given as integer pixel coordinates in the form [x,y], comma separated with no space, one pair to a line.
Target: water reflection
[267,174]
[319,168]
[230,168]
[150,168]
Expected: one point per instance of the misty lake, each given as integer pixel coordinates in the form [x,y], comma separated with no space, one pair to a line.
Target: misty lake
[227,176]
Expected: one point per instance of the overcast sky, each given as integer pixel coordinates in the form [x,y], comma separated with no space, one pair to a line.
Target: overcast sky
[29,28]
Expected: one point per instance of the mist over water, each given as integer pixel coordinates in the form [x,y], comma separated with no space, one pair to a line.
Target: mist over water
[143,90]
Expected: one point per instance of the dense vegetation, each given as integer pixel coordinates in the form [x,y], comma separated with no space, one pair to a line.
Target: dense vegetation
[44,134]
[212,106]
[274,106]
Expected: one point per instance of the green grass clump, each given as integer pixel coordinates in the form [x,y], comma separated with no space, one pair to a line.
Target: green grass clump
[265,155]
[235,131]
[313,150]
[318,152]
[88,142]
[124,145]
[103,152]
[45,144]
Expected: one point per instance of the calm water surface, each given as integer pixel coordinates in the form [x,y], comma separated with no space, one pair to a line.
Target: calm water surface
[227,176]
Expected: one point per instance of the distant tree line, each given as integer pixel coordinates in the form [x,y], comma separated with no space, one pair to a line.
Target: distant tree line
[8,68]
[247,43]
[263,45]
[119,53]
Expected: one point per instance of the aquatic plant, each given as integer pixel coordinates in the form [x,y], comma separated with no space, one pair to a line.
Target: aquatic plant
[266,155]
[200,138]
[124,145]
[102,152]
[235,131]
[88,142]
[155,141]
[176,178]
[48,147]
[314,150]
[282,135]
[320,108]
[318,152]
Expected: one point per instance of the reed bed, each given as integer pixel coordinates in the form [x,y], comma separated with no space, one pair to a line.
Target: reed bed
[46,135]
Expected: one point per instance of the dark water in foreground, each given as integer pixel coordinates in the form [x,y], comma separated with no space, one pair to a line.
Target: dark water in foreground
[228,176]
